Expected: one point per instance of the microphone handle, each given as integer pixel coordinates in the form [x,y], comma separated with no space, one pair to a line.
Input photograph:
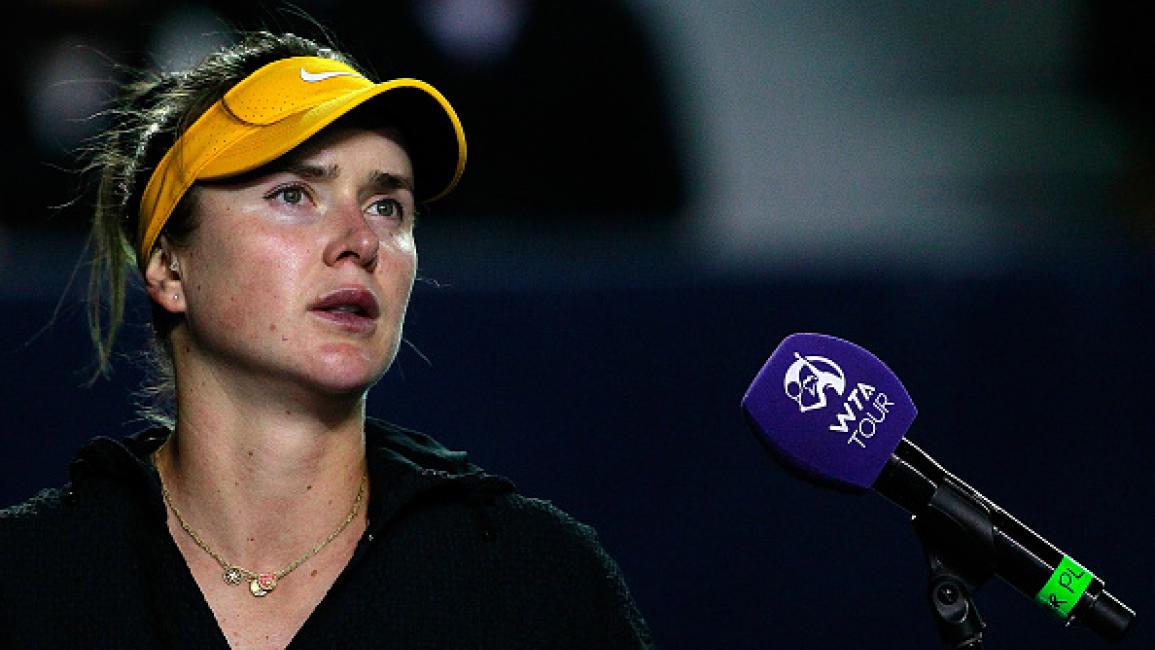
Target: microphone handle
[990,541]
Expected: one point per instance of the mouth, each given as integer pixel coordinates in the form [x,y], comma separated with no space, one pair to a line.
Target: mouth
[353,307]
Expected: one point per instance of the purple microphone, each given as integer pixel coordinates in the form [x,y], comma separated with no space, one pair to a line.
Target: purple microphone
[829,409]
[835,414]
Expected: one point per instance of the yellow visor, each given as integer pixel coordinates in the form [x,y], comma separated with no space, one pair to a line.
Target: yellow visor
[285,103]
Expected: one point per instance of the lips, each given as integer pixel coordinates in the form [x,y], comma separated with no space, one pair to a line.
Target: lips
[355,308]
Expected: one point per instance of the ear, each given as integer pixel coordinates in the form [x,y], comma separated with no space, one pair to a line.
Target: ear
[162,278]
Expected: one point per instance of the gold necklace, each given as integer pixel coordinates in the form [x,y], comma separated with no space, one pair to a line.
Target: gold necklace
[260,584]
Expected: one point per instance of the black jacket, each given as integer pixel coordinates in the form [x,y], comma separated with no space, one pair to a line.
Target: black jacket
[452,558]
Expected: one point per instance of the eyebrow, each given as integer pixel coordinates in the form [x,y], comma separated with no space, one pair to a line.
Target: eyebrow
[381,180]
[388,181]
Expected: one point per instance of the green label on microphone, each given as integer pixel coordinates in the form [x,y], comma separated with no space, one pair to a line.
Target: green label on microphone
[1065,587]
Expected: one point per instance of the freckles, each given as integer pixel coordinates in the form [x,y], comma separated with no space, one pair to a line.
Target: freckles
[273,328]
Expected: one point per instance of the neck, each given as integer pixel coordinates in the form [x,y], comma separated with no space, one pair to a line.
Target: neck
[260,481]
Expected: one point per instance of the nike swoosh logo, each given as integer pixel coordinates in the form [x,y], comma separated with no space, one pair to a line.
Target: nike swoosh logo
[314,77]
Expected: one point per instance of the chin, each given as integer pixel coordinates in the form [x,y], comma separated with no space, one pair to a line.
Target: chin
[350,373]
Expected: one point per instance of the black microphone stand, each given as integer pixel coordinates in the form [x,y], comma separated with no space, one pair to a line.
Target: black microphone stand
[949,593]
[958,539]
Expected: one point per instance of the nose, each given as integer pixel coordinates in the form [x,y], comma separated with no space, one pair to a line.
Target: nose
[351,238]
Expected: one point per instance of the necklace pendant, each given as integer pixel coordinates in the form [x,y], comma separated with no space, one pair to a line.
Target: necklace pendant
[263,584]
[233,576]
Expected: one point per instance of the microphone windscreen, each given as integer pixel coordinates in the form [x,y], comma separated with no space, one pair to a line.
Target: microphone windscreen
[829,410]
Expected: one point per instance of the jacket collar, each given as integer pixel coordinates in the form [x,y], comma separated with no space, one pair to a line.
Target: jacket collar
[405,466]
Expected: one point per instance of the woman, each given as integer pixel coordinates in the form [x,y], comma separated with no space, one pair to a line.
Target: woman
[267,198]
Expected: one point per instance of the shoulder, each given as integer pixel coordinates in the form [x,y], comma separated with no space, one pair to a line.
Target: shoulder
[541,520]
[49,529]
[546,547]
[38,537]
[59,521]
[43,510]
[542,535]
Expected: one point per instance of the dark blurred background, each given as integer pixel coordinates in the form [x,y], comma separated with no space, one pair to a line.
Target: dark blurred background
[658,192]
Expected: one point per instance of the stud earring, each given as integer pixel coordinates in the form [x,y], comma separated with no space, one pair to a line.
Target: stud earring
[175,266]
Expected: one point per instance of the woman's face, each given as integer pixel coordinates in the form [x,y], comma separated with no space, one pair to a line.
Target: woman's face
[301,273]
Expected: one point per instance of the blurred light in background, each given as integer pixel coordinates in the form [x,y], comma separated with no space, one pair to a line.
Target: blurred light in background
[186,34]
[934,137]
[475,32]
[75,74]
[671,136]
[67,85]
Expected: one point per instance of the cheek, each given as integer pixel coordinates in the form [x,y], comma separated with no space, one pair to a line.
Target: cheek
[397,270]
[401,242]
[245,287]
[399,258]
[222,305]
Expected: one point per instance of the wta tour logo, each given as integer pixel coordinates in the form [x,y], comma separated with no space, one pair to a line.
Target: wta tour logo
[808,378]
[808,381]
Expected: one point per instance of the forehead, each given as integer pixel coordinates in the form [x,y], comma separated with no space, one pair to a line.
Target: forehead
[330,148]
